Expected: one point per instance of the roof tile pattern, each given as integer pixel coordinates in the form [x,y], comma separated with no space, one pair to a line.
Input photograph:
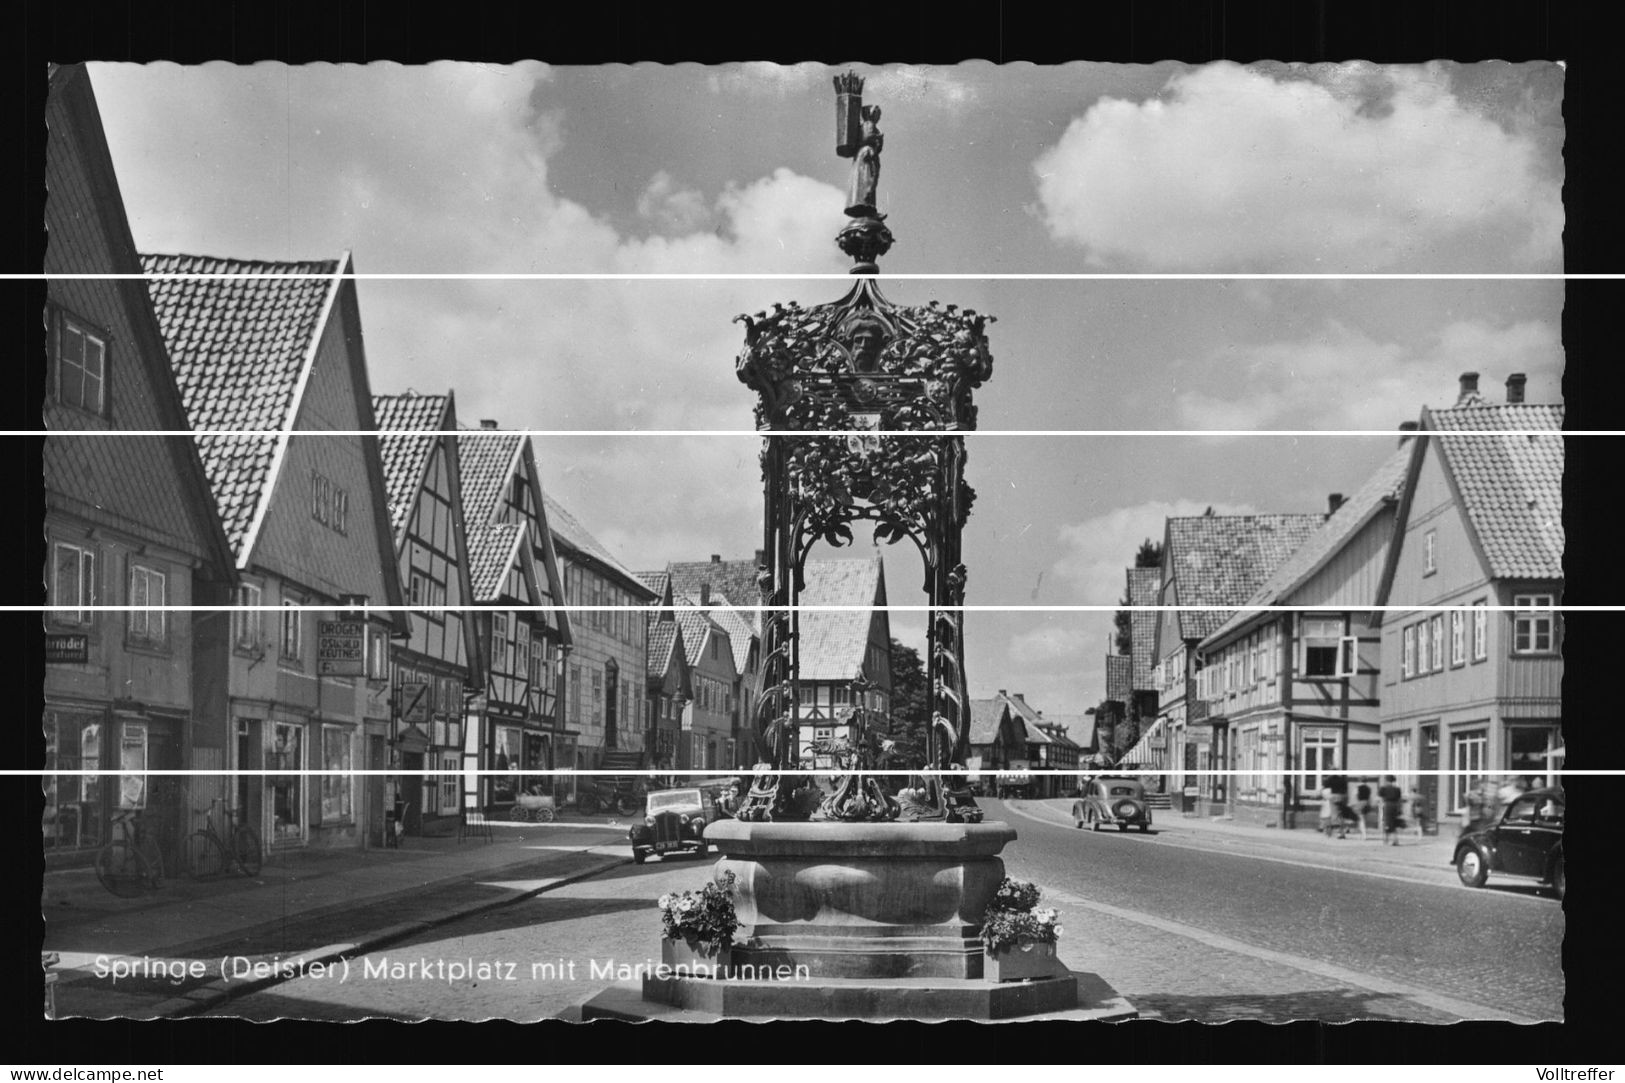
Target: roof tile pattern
[1119,670]
[491,549]
[485,459]
[238,347]
[1382,487]
[734,622]
[1144,584]
[1222,559]
[735,578]
[834,641]
[408,425]
[1512,485]
[696,627]
[661,639]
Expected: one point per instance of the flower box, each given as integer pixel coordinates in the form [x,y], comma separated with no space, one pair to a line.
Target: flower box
[696,958]
[1027,960]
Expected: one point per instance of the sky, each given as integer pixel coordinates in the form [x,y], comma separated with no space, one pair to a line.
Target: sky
[1081,169]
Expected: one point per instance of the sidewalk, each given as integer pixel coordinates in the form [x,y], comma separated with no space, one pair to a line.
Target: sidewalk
[304,906]
[1430,853]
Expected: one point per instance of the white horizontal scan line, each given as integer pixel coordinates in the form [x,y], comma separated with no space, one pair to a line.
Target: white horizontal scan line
[498,607]
[812,772]
[918,434]
[817,276]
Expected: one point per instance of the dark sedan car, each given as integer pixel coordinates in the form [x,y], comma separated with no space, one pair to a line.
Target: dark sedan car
[674,821]
[1112,800]
[1526,841]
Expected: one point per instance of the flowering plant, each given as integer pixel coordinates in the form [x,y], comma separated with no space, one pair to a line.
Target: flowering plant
[1014,916]
[706,915]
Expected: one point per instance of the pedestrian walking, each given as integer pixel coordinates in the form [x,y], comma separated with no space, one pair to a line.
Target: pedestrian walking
[1416,809]
[1339,785]
[1392,801]
[1328,811]
[1362,805]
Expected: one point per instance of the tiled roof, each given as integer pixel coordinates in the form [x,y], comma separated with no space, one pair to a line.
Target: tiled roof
[1382,488]
[1144,584]
[661,639]
[238,347]
[485,459]
[657,582]
[735,578]
[491,548]
[834,641]
[1512,485]
[1029,719]
[408,425]
[739,630]
[1080,729]
[696,626]
[568,532]
[1222,559]
[985,715]
[1119,669]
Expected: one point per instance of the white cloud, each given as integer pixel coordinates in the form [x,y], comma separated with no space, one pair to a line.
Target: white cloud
[1050,644]
[676,210]
[1096,552]
[1355,168]
[1343,378]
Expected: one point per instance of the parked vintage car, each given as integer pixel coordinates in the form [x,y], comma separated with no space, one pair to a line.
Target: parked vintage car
[1112,799]
[1527,840]
[674,821]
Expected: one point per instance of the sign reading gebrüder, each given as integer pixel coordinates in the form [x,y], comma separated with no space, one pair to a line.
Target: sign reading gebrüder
[341,648]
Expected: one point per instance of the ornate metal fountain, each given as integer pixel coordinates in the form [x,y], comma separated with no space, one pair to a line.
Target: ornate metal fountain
[881,392]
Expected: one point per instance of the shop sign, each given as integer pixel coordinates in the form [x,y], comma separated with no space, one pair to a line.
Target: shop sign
[415,701]
[341,648]
[66,648]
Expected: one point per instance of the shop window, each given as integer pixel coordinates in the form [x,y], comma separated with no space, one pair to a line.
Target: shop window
[81,365]
[1530,753]
[337,789]
[73,583]
[146,624]
[1468,762]
[1533,624]
[1320,758]
[132,764]
[72,819]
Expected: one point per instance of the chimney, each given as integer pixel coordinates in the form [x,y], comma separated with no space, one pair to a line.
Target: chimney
[761,557]
[1406,428]
[487,423]
[705,593]
[716,558]
[1333,502]
[1002,692]
[1515,384]
[1022,698]
[1469,385]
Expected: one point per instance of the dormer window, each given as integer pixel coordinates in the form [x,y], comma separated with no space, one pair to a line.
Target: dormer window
[80,352]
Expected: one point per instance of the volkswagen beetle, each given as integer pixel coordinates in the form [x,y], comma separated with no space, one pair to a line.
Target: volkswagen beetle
[1527,840]
[673,822]
[1112,800]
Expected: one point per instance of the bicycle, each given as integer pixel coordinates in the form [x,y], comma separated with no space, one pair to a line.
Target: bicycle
[209,854]
[131,864]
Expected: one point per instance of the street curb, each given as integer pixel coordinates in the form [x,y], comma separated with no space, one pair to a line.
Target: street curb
[221,990]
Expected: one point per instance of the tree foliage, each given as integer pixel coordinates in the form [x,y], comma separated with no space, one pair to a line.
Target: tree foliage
[910,707]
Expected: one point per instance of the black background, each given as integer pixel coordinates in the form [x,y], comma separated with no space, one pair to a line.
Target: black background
[1291,30]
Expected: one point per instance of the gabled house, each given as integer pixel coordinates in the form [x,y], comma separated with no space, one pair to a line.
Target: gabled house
[839,645]
[669,685]
[609,663]
[128,521]
[1475,688]
[1293,697]
[706,742]
[1140,708]
[516,723]
[435,669]
[730,586]
[998,756]
[1076,736]
[273,375]
[1207,560]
